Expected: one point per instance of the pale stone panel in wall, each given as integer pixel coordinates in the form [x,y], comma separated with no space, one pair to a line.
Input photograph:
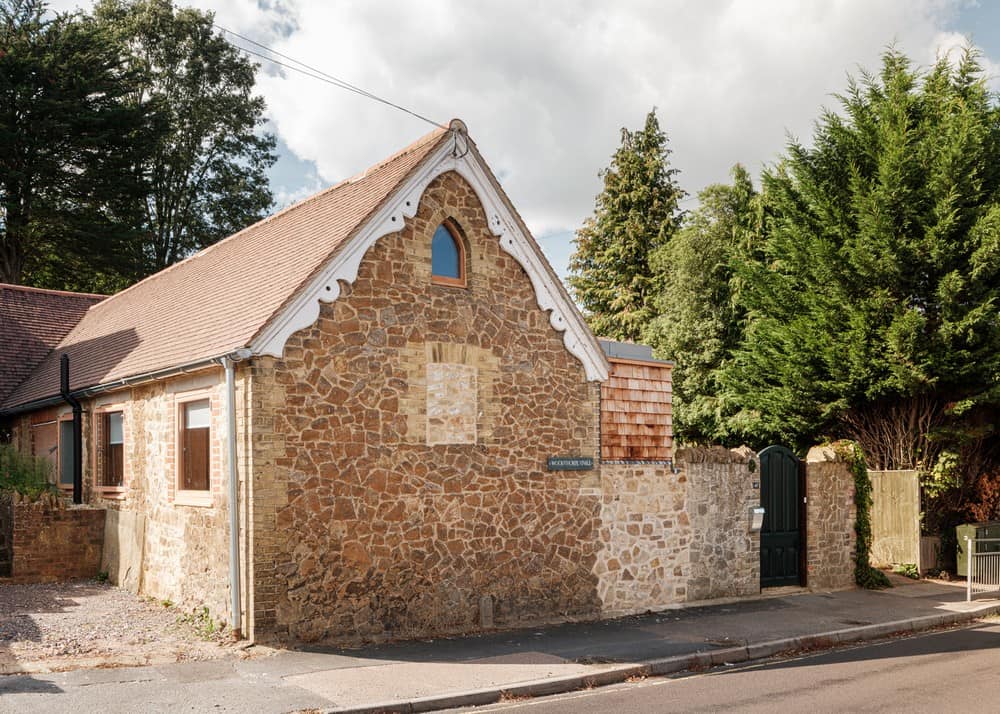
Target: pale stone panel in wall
[645,538]
[451,403]
[830,520]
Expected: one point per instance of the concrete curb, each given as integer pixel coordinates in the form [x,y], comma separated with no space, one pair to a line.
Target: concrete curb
[667,665]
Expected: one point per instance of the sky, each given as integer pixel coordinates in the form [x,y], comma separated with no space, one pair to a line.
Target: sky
[546,86]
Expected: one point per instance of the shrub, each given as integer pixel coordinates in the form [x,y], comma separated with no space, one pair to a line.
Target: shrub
[28,475]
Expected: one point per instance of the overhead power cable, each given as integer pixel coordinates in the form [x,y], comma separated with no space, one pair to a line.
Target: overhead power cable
[319,74]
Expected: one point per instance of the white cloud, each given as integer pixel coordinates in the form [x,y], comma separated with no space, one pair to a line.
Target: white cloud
[546,86]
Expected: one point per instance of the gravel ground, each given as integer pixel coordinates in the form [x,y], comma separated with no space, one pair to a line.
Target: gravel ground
[57,626]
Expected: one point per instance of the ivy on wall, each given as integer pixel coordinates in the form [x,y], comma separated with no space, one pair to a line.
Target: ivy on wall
[864,574]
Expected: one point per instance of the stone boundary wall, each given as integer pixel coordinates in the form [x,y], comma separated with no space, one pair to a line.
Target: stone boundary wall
[725,554]
[52,541]
[644,538]
[830,519]
[675,535]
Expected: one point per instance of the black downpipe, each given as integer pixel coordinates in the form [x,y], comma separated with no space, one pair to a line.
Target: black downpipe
[77,429]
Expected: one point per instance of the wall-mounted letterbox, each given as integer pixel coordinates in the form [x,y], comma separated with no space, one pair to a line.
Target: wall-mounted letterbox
[756,519]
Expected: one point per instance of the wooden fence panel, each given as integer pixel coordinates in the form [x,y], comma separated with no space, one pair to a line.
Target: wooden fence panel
[895,518]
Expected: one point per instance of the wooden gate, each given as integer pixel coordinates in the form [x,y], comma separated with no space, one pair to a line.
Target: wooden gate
[782,545]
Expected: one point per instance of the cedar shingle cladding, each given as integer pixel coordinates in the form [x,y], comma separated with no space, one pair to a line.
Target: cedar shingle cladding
[636,412]
[32,322]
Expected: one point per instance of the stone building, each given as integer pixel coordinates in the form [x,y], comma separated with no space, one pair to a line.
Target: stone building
[393,388]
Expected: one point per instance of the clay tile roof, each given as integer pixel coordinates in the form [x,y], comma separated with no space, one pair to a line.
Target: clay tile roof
[218,299]
[32,322]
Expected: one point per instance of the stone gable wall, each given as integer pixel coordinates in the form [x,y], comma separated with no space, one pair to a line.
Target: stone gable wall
[383,534]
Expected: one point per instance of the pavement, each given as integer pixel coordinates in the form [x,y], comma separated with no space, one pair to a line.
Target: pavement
[466,671]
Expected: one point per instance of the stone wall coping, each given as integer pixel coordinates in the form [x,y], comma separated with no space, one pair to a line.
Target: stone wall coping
[825,452]
[715,455]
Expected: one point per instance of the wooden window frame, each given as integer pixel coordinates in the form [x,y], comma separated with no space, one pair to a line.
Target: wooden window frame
[53,456]
[461,281]
[183,496]
[101,448]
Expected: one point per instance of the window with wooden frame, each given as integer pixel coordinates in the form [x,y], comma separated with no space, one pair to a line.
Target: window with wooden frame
[66,451]
[448,256]
[112,452]
[195,450]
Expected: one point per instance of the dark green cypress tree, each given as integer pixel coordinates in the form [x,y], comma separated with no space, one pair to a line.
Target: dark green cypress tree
[873,310]
[69,146]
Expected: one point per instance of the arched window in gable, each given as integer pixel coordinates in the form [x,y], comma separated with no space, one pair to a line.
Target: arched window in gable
[447,256]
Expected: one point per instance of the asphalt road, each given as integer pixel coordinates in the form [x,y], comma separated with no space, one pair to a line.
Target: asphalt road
[954,671]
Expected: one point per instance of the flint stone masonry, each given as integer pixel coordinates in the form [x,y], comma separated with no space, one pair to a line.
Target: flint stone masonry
[668,538]
[831,515]
[54,541]
[377,533]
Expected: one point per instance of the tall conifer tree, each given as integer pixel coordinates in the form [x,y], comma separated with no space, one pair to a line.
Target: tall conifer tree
[635,214]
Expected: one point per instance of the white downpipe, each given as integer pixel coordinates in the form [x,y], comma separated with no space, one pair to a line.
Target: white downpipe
[235,616]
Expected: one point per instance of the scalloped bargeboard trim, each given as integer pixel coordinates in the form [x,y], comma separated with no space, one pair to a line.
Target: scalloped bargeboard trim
[325,287]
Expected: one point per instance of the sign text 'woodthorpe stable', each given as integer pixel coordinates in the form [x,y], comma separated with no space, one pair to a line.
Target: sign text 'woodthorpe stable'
[571,463]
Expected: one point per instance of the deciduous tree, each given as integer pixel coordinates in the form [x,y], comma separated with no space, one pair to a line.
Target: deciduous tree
[207,176]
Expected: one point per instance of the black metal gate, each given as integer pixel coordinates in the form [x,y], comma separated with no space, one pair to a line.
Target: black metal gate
[781,495]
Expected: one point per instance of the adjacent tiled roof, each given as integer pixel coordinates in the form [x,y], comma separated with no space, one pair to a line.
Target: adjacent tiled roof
[218,299]
[32,322]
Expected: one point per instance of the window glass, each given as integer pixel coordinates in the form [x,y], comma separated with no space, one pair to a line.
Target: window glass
[197,414]
[113,452]
[116,433]
[195,451]
[66,453]
[446,257]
